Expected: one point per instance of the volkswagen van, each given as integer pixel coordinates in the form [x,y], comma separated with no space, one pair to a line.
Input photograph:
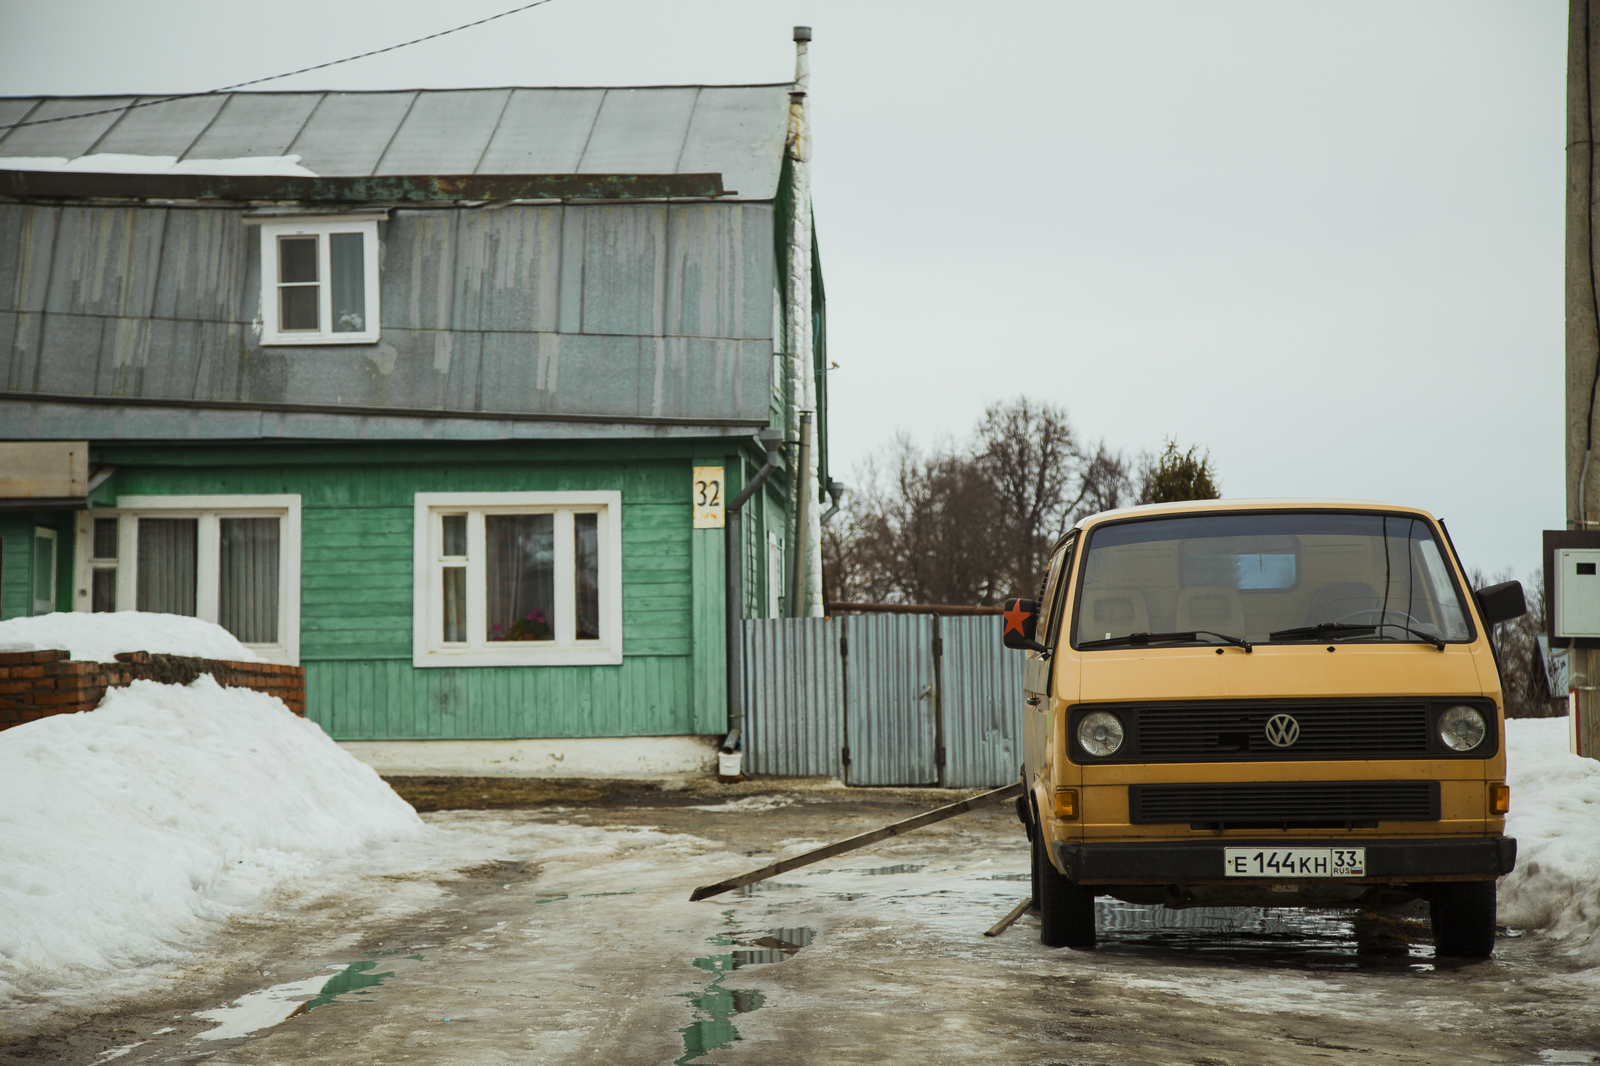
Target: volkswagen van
[1264,704]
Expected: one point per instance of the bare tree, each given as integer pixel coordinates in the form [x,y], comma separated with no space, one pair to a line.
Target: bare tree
[1030,457]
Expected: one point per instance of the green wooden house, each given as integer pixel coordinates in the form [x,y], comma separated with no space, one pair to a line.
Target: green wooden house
[429,392]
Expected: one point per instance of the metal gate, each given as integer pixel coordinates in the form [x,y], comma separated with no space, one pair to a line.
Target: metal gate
[883,699]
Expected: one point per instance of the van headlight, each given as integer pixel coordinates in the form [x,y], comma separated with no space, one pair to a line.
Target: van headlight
[1100,733]
[1462,728]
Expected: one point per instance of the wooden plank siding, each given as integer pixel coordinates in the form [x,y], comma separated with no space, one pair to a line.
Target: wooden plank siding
[357,589]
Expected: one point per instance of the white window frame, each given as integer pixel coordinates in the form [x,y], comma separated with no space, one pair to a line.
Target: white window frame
[428,646]
[208,510]
[321,229]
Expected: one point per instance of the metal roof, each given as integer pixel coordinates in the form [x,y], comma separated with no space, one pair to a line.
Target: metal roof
[735,130]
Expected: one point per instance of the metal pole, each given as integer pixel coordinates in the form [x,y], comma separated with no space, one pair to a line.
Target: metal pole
[802,507]
[733,605]
[1583,312]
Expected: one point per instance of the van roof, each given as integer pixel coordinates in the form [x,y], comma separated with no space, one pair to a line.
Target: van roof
[1277,504]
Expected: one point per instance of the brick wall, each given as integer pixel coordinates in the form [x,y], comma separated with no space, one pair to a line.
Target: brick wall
[37,684]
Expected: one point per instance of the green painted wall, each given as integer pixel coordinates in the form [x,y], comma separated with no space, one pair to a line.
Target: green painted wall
[356,584]
[16,559]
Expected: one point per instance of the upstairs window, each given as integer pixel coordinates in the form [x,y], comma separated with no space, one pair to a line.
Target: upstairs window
[319,282]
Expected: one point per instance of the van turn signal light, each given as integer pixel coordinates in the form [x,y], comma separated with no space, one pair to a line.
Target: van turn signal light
[1499,799]
[1066,803]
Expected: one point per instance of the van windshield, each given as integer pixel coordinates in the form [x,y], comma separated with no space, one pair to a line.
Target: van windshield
[1270,578]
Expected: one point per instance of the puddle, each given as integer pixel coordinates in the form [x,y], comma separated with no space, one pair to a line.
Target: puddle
[714,1030]
[597,895]
[1009,877]
[847,896]
[777,946]
[902,868]
[1271,936]
[267,1007]
[551,899]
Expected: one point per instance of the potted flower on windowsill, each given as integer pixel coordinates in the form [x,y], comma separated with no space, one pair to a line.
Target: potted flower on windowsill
[532,626]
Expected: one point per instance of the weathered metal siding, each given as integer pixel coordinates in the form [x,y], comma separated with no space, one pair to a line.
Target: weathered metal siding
[794,696]
[631,311]
[982,704]
[889,679]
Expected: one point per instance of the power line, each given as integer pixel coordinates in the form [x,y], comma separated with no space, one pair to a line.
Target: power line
[274,77]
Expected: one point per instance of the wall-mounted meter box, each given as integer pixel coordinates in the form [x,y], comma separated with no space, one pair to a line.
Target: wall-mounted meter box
[1577,581]
[1572,587]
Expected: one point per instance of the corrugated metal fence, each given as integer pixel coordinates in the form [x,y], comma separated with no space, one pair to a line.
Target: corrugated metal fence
[883,700]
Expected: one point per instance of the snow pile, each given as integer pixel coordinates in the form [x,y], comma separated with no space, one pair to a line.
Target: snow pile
[1555,817]
[133,829]
[98,637]
[119,163]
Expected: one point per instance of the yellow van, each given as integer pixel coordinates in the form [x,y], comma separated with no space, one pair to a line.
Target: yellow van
[1265,703]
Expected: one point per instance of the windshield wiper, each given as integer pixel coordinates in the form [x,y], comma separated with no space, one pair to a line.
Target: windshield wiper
[1148,638]
[1317,632]
[1335,630]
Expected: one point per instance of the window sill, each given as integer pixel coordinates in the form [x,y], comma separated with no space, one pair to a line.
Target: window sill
[528,657]
[319,341]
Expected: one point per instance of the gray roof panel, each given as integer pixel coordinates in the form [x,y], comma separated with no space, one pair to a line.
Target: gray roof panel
[639,131]
[445,133]
[71,138]
[348,132]
[162,129]
[543,131]
[254,124]
[738,131]
[733,130]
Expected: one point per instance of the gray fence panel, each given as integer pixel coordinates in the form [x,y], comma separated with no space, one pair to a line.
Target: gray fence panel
[794,697]
[889,681]
[982,700]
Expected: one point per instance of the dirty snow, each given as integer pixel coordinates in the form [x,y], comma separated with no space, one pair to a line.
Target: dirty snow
[132,831]
[99,637]
[748,805]
[1555,817]
[118,163]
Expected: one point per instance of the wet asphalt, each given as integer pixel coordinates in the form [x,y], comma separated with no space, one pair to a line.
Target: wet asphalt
[561,932]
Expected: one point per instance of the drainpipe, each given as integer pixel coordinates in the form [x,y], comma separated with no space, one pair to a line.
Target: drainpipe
[803,505]
[733,608]
[836,491]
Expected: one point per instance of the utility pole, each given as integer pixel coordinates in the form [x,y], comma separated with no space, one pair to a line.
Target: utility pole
[1583,321]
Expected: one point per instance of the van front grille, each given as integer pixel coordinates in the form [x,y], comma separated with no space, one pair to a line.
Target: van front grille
[1284,804]
[1181,731]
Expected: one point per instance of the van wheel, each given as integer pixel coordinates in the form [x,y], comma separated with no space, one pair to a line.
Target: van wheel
[1463,914]
[1066,909]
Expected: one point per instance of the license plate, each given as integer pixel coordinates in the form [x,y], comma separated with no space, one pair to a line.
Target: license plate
[1294,862]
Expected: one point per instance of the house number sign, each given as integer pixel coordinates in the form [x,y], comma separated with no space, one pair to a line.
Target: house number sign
[708,497]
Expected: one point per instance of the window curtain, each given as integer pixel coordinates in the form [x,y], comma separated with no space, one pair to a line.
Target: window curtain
[247,592]
[349,284]
[166,568]
[520,573]
[586,560]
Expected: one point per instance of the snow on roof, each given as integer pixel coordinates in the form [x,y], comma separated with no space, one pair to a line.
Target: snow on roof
[133,831]
[100,637]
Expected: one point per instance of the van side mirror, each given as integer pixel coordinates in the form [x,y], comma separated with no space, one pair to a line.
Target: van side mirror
[1502,602]
[1021,619]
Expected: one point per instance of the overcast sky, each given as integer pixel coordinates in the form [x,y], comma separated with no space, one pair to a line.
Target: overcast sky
[1323,241]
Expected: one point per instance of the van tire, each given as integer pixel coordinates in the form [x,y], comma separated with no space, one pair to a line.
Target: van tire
[1066,909]
[1463,914]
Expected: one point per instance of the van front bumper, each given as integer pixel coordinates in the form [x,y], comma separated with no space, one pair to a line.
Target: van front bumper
[1192,862]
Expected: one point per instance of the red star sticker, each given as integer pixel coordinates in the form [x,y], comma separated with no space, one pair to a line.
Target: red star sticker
[1016,617]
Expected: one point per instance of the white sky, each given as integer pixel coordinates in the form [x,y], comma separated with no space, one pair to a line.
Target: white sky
[1324,241]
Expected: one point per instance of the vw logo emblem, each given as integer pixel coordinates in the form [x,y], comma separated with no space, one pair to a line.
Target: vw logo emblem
[1282,731]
